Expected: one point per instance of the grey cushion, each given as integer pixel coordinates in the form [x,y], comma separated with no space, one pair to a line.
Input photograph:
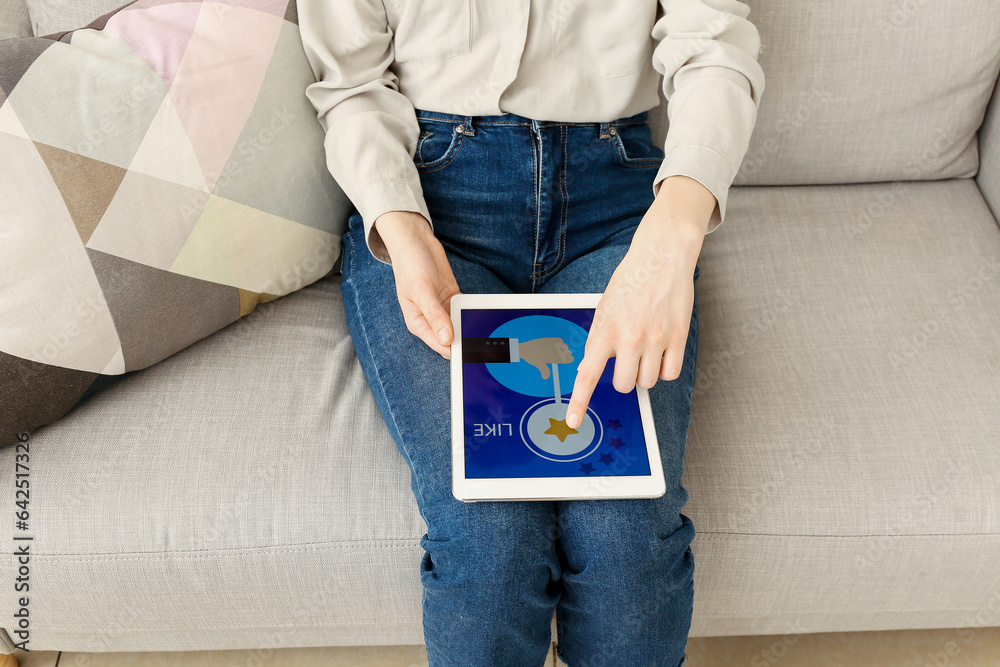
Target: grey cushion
[249,487]
[869,91]
[843,457]
[14,21]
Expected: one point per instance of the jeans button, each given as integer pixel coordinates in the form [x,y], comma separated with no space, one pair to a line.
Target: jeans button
[460,129]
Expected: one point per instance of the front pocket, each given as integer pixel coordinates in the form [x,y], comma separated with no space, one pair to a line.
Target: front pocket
[437,146]
[605,37]
[430,31]
[634,145]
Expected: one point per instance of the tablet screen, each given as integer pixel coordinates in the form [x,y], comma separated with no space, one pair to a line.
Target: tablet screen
[519,367]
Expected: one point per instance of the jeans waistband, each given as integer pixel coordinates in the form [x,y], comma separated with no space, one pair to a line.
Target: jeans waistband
[515,119]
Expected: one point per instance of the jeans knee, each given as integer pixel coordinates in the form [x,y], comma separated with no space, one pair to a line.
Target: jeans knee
[626,540]
[490,550]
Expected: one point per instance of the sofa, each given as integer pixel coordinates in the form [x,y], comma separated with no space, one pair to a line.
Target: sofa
[843,456]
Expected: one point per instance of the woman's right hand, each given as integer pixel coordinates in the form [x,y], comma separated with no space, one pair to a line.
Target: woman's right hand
[425,282]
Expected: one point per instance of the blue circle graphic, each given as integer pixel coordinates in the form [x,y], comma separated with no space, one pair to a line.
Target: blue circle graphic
[526,379]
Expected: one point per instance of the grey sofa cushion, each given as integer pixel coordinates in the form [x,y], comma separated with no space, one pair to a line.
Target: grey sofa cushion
[869,90]
[14,20]
[249,487]
[843,455]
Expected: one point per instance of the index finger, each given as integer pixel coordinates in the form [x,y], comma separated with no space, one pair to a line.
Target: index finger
[587,374]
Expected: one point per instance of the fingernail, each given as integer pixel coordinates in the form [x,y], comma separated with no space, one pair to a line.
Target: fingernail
[443,335]
[572,420]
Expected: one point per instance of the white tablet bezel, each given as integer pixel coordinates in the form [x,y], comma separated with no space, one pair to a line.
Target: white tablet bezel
[541,488]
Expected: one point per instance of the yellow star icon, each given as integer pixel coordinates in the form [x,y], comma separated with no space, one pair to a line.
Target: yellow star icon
[558,428]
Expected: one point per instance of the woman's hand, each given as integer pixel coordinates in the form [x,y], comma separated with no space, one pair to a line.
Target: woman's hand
[425,282]
[644,315]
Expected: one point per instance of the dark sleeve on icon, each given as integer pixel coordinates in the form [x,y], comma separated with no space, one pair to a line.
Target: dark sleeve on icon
[486,350]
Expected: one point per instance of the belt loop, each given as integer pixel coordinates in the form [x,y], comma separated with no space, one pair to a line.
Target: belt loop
[604,130]
[467,127]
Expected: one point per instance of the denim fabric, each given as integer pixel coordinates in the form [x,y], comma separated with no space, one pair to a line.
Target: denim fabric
[522,205]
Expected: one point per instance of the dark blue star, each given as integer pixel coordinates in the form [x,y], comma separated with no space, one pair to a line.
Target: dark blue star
[616,443]
[587,468]
[607,459]
[614,423]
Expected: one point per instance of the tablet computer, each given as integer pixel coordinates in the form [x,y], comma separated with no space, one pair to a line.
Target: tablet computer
[513,366]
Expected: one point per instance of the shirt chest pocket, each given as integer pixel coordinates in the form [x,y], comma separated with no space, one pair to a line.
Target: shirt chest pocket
[430,31]
[608,37]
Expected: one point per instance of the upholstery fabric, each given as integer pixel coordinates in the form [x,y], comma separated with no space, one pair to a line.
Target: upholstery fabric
[161,173]
[869,91]
[52,16]
[14,19]
[842,457]
[988,177]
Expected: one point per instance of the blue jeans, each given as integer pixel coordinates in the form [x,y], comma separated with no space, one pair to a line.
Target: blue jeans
[522,205]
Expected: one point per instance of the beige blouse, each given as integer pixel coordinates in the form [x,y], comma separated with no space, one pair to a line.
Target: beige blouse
[559,60]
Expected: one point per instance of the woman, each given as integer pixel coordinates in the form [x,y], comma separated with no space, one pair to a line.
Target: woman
[496,146]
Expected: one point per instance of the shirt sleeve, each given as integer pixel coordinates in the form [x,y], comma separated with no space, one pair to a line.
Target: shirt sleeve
[371,128]
[707,52]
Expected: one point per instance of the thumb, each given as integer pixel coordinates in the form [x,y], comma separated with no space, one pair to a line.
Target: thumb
[542,368]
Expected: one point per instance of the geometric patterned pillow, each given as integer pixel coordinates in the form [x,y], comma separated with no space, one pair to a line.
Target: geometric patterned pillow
[51,16]
[161,173]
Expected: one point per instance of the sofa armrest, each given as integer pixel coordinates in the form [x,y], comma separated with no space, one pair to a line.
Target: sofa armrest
[988,177]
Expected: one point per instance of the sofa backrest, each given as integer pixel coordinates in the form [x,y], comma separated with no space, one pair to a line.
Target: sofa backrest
[988,177]
[14,20]
[869,90]
[856,91]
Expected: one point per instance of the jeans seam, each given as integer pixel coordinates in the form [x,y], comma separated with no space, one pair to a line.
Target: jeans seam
[453,150]
[559,634]
[378,376]
[424,136]
[563,222]
[459,121]
[490,122]
[630,122]
[537,184]
[633,163]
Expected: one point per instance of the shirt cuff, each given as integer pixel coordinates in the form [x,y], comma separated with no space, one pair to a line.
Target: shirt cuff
[515,353]
[704,165]
[384,196]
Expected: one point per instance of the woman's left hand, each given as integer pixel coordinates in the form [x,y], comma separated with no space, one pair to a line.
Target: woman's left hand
[644,315]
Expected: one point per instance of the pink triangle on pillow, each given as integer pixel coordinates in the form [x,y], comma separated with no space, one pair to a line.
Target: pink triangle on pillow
[275,7]
[219,78]
[159,34]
